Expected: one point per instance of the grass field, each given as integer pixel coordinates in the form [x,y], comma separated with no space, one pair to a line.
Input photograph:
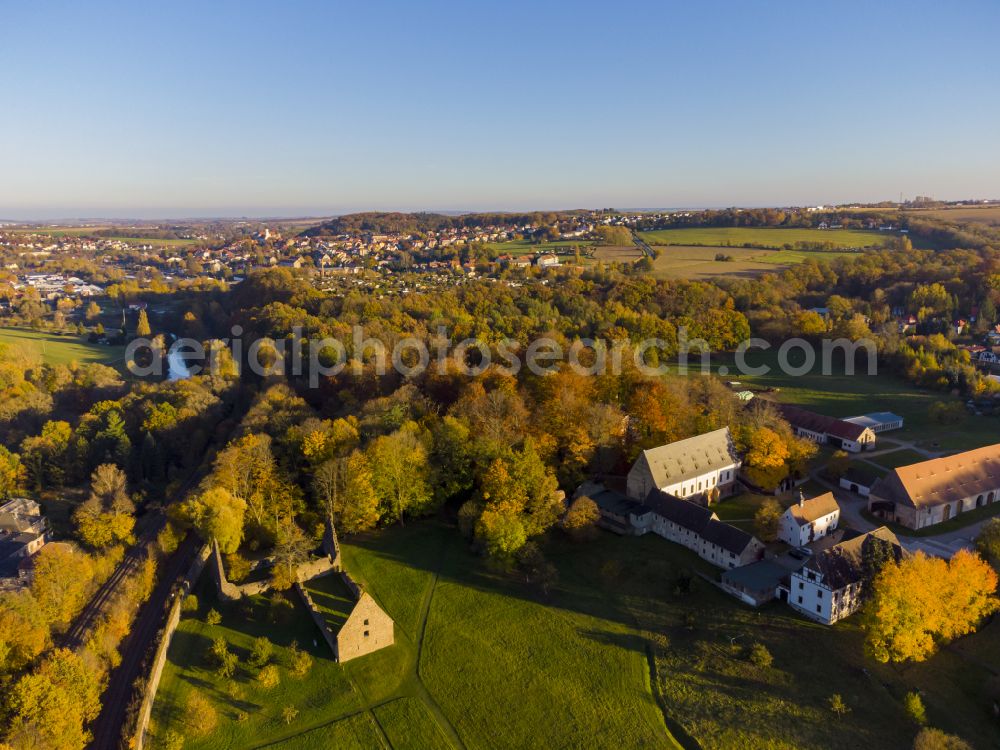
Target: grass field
[526,247]
[482,662]
[62,231]
[476,663]
[57,349]
[698,262]
[841,395]
[763,237]
[408,725]
[983,215]
[357,732]
[89,232]
[895,459]
[152,241]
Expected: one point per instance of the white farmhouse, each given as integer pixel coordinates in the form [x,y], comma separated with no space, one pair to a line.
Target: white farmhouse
[687,469]
[828,587]
[809,520]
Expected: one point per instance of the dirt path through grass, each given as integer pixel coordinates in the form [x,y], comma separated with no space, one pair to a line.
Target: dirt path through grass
[423,693]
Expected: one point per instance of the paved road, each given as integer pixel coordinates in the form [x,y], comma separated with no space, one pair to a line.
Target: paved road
[107,728]
[642,245]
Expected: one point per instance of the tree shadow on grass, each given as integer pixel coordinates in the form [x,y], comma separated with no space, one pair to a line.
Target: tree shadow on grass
[627,641]
[281,617]
[580,587]
[221,696]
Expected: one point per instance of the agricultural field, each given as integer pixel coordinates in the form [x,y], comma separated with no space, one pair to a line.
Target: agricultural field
[982,215]
[841,395]
[768,237]
[62,231]
[88,232]
[697,262]
[172,242]
[56,349]
[527,247]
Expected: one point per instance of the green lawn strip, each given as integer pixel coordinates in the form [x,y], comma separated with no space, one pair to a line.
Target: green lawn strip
[868,465]
[405,590]
[397,566]
[409,726]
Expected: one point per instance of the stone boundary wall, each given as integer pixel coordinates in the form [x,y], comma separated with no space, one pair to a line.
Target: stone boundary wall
[173,619]
[314,569]
[230,592]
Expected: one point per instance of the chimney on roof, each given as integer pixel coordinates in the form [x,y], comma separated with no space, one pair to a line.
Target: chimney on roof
[802,497]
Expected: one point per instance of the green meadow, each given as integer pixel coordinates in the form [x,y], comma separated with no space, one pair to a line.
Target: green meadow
[630,649]
[89,232]
[479,661]
[764,237]
[527,247]
[62,349]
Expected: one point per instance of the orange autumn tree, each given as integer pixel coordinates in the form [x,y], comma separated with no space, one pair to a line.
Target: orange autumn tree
[922,602]
[765,461]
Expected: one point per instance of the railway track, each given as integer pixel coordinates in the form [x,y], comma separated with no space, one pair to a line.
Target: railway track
[107,728]
[77,634]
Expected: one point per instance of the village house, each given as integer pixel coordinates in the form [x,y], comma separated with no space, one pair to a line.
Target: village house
[825,430]
[546,260]
[808,520]
[23,532]
[691,468]
[828,587]
[930,492]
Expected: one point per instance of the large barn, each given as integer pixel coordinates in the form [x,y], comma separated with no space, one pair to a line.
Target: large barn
[930,492]
[688,469]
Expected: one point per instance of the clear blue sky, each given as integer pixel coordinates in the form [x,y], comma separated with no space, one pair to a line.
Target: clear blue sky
[291,108]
